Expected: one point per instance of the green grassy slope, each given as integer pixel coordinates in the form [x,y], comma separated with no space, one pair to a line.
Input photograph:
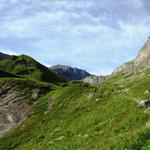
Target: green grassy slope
[6,74]
[27,67]
[83,117]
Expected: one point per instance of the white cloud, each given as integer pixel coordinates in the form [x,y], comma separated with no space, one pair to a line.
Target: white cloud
[87,28]
[13,1]
[131,29]
[128,30]
[1,6]
[29,26]
[54,16]
[74,4]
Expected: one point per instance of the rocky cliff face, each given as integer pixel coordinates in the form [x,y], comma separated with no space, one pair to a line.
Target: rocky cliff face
[13,107]
[16,102]
[143,58]
[94,79]
[70,73]
[142,61]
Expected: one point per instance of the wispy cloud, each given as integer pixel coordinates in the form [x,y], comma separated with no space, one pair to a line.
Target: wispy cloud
[131,29]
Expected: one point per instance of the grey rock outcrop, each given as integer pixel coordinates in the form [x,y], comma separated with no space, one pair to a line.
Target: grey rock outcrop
[144,103]
[94,79]
[15,105]
[13,108]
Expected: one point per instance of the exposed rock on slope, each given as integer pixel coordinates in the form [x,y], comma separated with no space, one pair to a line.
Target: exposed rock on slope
[143,58]
[142,61]
[94,79]
[144,103]
[16,102]
[70,73]
[13,108]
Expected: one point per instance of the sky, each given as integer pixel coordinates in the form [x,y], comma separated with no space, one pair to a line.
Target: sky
[95,35]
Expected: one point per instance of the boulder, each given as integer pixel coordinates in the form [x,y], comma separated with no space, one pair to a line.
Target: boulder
[144,103]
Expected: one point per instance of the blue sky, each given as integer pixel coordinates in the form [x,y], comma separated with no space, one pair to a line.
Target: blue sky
[96,35]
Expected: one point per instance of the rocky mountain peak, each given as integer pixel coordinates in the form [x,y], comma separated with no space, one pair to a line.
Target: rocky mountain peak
[70,73]
[63,67]
[145,51]
[142,61]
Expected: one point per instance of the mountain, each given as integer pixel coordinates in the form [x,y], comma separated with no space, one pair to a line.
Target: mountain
[3,56]
[142,61]
[106,116]
[28,67]
[70,73]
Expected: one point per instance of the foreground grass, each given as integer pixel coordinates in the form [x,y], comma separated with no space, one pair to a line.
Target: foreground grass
[83,117]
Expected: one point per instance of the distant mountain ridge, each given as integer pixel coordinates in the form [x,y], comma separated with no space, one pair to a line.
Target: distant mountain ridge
[70,73]
[3,56]
[67,72]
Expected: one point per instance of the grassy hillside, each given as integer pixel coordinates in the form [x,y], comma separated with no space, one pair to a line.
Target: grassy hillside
[83,117]
[27,67]
[6,74]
